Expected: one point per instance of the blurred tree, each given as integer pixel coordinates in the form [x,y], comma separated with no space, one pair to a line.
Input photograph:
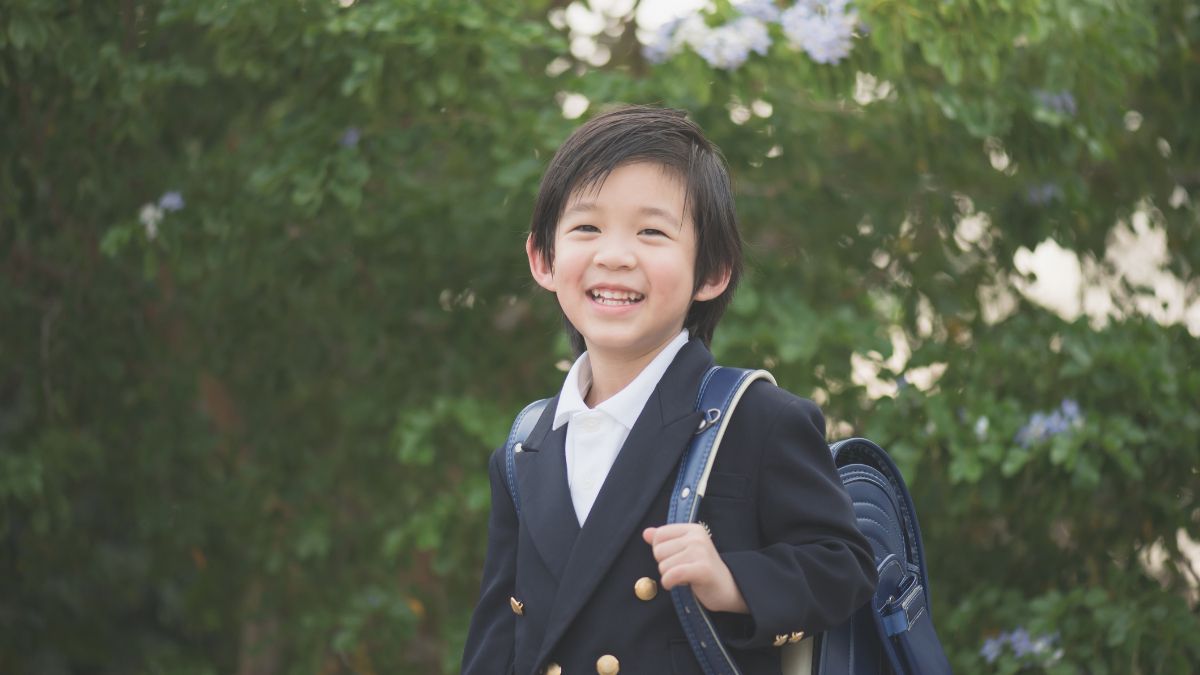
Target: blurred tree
[265,311]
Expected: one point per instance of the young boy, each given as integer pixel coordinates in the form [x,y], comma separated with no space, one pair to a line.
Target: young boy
[634,231]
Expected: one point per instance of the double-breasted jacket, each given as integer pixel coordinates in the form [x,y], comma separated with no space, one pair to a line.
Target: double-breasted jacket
[560,598]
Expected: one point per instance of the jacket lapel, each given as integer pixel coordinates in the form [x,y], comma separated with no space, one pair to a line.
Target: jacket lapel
[649,457]
[546,507]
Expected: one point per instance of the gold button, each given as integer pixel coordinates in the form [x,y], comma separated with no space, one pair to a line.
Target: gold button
[645,588]
[553,669]
[518,607]
[796,637]
[608,665]
[780,640]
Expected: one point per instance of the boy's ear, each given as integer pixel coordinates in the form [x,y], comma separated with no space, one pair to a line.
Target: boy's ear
[543,272]
[714,287]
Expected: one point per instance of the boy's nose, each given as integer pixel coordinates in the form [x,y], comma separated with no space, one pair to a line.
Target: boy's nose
[615,255]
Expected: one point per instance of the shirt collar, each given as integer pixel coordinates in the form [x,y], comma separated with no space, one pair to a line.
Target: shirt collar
[626,405]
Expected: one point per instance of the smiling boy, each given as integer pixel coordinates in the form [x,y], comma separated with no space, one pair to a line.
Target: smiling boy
[635,233]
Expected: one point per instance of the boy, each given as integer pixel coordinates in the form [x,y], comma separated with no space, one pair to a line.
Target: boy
[634,231]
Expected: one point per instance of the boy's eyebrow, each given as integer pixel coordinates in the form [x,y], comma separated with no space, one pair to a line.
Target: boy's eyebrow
[589,207]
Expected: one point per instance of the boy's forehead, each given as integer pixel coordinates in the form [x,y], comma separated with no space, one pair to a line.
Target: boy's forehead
[632,186]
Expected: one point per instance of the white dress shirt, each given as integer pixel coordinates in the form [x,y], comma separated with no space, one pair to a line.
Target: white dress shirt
[595,435]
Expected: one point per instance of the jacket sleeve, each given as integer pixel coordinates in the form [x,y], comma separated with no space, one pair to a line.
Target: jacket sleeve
[815,568]
[490,641]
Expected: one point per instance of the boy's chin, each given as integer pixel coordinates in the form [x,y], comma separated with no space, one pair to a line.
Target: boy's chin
[624,344]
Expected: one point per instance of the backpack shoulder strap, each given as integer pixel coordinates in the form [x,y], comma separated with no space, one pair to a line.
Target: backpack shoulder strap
[720,392]
[521,428]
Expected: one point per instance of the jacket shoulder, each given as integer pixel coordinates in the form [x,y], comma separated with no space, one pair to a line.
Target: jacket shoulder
[767,402]
[496,458]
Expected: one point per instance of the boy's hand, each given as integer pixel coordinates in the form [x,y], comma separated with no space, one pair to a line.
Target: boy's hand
[686,556]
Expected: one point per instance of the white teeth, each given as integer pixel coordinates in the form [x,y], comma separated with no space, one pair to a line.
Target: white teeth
[608,297]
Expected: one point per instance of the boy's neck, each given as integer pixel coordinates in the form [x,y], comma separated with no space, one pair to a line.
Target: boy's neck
[612,372]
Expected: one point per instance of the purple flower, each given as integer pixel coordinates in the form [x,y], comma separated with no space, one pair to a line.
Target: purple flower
[667,39]
[350,137]
[1033,431]
[754,32]
[1057,423]
[1061,102]
[657,52]
[1021,643]
[1043,426]
[763,10]
[991,648]
[171,201]
[1070,409]
[728,46]
[822,28]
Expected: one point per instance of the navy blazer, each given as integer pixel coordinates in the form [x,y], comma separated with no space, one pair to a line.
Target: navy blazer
[779,516]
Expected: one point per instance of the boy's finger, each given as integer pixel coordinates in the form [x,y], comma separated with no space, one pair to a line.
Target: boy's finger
[679,558]
[665,549]
[668,532]
[682,575]
[648,535]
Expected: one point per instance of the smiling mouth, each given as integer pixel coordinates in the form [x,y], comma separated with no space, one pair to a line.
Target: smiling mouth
[615,298]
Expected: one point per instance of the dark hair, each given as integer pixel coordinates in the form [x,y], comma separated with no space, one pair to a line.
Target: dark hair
[665,137]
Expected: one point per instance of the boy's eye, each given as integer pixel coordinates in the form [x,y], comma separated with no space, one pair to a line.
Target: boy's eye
[654,232]
[585,228]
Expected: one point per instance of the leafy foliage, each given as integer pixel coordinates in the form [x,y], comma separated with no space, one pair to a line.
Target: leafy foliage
[252,436]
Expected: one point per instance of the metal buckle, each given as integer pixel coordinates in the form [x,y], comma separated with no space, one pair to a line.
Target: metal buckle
[710,418]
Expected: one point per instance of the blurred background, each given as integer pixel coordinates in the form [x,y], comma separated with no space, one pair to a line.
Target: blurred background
[264,308]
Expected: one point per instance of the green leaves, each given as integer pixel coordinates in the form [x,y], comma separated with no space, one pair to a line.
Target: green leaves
[268,417]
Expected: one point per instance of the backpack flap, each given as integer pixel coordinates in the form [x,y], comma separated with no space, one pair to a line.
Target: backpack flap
[897,624]
[860,451]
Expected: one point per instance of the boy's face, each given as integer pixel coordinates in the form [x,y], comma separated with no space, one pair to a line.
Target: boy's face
[624,262]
